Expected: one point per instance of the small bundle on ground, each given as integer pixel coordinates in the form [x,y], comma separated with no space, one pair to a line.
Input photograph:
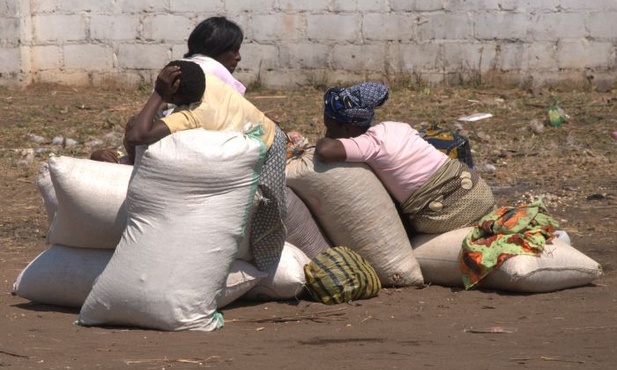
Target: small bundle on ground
[340,275]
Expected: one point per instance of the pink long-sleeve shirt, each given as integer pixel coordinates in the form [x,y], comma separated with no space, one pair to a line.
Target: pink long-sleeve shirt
[401,159]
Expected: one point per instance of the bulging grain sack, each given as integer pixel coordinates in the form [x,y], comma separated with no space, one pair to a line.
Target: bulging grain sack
[90,202]
[188,202]
[242,277]
[560,265]
[63,276]
[86,221]
[48,193]
[302,229]
[437,255]
[355,210]
[285,279]
[245,253]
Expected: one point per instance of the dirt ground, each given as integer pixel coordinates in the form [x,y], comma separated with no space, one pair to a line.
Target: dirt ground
[571,166]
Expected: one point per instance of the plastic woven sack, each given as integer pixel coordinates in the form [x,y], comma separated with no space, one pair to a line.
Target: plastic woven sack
[340,275]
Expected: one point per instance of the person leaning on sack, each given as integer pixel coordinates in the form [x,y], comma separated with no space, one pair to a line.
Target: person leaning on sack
[435,192]
[214,44]
[218,107]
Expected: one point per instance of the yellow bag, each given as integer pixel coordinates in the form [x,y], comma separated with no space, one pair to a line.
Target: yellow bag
[340,275]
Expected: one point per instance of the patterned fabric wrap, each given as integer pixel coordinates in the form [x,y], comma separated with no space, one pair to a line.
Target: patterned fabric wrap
[268,224]
[340,275]
[504,233]
[356,104]
[444,203]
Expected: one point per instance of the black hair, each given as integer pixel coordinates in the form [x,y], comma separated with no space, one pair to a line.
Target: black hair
[192,82]
[214,36]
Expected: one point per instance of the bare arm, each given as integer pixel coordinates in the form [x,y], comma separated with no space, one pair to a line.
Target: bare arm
[157,131]
[143,129]
[330,150]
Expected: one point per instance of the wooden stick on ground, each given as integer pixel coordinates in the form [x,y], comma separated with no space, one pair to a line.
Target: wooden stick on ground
[311,316]
[13,354]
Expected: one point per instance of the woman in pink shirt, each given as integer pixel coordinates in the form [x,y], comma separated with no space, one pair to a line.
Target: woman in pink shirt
[435,192]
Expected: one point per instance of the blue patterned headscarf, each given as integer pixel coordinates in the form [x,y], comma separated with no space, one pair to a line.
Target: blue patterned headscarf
[355,104]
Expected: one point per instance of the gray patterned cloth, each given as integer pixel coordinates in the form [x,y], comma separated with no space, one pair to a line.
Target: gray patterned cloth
[355,104]
[268,231]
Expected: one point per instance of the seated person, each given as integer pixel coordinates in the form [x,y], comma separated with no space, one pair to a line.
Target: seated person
[204,101]
[214,44]
[435,192]
[113,155]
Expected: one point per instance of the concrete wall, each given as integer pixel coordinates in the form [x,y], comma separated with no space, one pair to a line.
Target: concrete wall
[296,42]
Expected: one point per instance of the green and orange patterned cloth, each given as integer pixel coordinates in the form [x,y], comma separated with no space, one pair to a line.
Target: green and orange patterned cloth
[504,233]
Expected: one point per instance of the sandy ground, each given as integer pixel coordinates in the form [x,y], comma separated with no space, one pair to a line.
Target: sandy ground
[408,328]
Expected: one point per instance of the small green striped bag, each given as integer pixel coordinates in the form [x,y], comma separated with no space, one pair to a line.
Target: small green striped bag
[340,275]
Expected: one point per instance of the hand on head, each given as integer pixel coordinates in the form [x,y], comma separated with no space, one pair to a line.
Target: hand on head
[168,82]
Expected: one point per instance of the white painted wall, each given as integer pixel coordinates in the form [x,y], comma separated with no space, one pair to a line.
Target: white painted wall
[295,42]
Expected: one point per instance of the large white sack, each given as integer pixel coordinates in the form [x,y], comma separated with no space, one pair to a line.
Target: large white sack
[242,277]
[63,276]
[285,279]
[188,201]
[245,252]
[92,195]
[90,209]
[48,193]
[356,211]
[302,229]
[560,265]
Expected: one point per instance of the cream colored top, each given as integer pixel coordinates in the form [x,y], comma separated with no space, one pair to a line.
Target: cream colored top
[222,109]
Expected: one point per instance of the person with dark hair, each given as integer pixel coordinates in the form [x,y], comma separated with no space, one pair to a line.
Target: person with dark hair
[221,108]
[214,44]
[181,83]
[187,90]
[436,193]
[191,86]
